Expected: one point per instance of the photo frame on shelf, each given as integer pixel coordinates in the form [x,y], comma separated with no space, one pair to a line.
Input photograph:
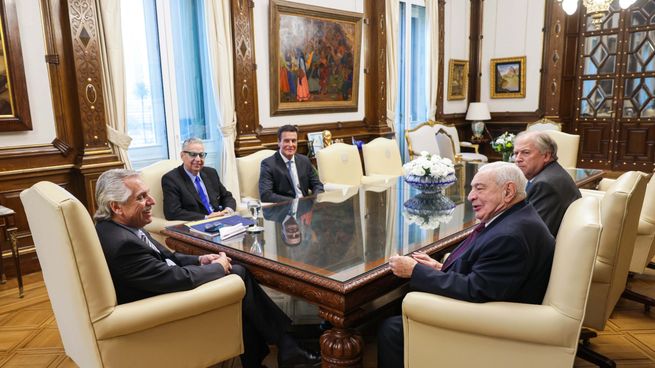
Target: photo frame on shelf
[457,79]
[508,77]
[316,141]
[314,55]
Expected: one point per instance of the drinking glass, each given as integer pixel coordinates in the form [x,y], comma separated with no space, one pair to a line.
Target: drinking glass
[255,207]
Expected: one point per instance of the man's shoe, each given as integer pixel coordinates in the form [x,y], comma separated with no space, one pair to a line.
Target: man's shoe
[302,359]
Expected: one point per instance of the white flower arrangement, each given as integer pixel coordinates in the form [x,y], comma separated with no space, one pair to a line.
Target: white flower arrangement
[429,165]
[504,143]
[429,221]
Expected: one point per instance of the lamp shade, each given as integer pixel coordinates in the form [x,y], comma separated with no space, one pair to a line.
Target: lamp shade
[478,111]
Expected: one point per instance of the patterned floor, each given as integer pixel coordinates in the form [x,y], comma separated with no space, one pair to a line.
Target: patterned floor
[29,336]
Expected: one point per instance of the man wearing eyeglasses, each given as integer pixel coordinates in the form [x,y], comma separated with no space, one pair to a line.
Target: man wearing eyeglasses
[193,191]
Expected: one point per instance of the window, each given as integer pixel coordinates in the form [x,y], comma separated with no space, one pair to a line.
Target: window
[167,80]
[414,86]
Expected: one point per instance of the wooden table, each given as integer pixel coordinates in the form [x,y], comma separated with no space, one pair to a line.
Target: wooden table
[335,251]
[9,230]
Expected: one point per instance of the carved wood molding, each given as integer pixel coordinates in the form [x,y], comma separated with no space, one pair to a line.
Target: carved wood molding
[88,69]
[375,67]
[475,50]
[552,63]
[245,78]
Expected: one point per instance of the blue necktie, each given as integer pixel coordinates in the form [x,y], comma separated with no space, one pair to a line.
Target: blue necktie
[466,244]
[293,182]
[203,197]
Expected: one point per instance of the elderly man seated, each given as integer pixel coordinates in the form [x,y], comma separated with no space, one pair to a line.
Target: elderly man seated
[506,258]
[550,188]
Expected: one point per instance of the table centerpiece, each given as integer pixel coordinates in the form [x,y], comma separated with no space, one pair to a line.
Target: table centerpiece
[429,173]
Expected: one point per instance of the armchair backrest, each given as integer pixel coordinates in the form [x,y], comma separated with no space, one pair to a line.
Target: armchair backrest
[151,176]
[446,144]
[339,164]
[382,156]
[576,246]
[567,147]
[248,171]
[74,268]
[421,139]
[451,130]
[620,208]
[645,241]
[543,124]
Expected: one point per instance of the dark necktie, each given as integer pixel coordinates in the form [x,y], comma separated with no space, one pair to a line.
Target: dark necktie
[203,197]
[466,244]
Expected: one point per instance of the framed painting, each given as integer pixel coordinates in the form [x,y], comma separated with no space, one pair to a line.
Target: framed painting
[14,103]
[458,71]
[314,59]
[508,77]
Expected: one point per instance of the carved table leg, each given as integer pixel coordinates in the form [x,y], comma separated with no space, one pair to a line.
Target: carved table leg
[14,252]
[341,346]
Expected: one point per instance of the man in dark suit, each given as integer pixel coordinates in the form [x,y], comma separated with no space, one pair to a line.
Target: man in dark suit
[507,258]
[550,188]
[286,174]
[140,267]
[193,191]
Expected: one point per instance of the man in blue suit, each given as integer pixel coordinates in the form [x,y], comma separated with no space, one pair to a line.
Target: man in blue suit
[507,257]
[286,174]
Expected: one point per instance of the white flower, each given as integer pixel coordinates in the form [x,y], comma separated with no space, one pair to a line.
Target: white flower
[429,165]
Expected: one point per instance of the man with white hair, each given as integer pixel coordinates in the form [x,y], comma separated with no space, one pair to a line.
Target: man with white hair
[550,188]
[506,258]
[140,267]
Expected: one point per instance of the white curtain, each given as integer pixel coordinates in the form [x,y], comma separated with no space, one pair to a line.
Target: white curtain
[113,76]
[219,39]
[392,20]
[432,10]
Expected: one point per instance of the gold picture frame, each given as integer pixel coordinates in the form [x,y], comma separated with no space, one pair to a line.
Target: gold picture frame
[314,55]
[508,77]
[458,78]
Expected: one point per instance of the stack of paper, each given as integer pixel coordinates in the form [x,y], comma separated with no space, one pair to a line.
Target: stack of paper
[230,231]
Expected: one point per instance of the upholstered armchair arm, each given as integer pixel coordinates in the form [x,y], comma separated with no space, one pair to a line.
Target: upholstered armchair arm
[476,147]
[378,179]
[645,227]
[161,309]
[605,184]
[501,320]
[592,193]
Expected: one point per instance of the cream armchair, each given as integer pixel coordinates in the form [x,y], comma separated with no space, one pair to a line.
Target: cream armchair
[248,171]
[382,157]
[503,334]
[422,138]
[567,147]
[151,176]
[194,328]
[339,165]
[543,124]
[644,248]
[620,208]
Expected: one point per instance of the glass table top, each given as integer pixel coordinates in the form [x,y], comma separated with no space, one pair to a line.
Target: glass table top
[344,233]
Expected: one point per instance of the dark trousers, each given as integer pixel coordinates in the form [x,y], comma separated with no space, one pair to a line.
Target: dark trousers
[264,323]
[390,343]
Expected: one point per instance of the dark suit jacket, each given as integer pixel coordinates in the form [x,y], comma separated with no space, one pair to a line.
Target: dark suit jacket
[275,183]
[510,260]
[181,199]
[551,192]
[139,272]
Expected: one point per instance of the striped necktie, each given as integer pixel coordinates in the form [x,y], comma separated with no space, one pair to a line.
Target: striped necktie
[466,244]
[203,196]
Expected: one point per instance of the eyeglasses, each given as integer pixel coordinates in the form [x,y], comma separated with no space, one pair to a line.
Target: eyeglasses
[196,154]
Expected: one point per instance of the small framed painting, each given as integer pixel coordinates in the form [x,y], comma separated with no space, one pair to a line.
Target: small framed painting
[315,140]
[508,77]
[458,71]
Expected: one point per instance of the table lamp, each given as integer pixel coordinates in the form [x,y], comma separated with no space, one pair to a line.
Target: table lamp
[477,112]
